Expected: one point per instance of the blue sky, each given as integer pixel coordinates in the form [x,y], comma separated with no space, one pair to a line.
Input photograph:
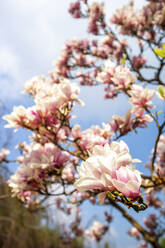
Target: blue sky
[32,35]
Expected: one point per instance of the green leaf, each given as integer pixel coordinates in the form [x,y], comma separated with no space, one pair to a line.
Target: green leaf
[123,60]
[159,112]
[161,91]
[106,245]
[160,52]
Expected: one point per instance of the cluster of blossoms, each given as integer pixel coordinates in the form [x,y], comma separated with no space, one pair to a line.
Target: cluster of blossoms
[116,77]
[142,22]
[156,10]
[87,54]
[72,227]
[128,19]
[109,47]
[75,9]
[53,104]
[127,123]
[68,173]
[95,15]
[119,78]
[96,231]
[63,206]
[152,200]
[96,18]
[140,98]
[75,53]
[75,227]
[95,135]
[108,169]
[138,62]
[37,166]
[151,223]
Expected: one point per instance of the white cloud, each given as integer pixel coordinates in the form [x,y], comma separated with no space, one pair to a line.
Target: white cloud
[36,30]
[10,75]
[8,62]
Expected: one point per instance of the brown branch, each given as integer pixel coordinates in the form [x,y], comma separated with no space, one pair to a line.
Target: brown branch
[160,129]
[146,235]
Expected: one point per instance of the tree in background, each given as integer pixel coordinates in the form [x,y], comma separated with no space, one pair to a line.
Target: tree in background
[95,164]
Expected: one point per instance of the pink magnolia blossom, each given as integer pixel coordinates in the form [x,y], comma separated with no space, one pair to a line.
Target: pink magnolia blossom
[152,200]
[35,84]
[96,231]
[134,232]
[36,165]
[17,118]
[143,245]
[127,181]
[95,135]
[95,15]
[3,154]
[151,221]
[75,9]
[128,19]
[68,173]
[118,76]
[138,62]
[51,100]
[107,168]
[129,122]
[120,123]
[140,98]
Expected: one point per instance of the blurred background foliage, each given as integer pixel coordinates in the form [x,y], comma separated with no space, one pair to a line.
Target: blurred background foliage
[22,228]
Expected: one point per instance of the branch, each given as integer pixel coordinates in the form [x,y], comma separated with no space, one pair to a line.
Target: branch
[160,129]
[146,235]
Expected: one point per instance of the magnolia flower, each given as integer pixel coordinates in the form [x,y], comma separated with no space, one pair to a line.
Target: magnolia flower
[50,100]
[151,221]
[119,76]
[36,165]
[134,232]
[16,118]
[96,231]
[107,169]
[127,181]
[3,154]
[95,135]
[138,62]
[35,84]
[68,173]
[140,98]
[142,245]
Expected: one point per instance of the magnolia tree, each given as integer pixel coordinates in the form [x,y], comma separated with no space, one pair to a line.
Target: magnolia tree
[95,164]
